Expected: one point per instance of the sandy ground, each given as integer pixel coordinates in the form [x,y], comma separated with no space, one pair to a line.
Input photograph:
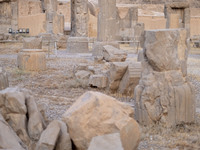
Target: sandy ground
[55,92]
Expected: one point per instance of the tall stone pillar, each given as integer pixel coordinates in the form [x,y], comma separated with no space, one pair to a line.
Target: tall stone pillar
[107,26]
[78,42]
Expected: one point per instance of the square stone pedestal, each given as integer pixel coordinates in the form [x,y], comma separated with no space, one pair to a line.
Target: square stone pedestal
[77,45]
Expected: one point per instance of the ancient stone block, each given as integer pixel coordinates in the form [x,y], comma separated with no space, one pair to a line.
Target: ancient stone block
[112,54]
[99,81]
[3,79]
[49,136]
[95,114]
[117,71]
[161,48]
[32,43]
[130,79]
[163,94]
[36,123]
[31,60]
[77,45]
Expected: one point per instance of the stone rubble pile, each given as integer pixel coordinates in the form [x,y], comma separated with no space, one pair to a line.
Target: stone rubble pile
[94,118]
[163,94]
[22,123]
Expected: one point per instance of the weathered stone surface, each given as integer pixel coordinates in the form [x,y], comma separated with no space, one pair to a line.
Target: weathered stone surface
[116,72]
[77,45]
[95,114]
[36,123]
[14,110]
[3,79]
[49,137]
[131,78]
[9,139]
[83,76]
[99,81]
[31,60]
[161,48]
[112,54]
[32,43]
[140,57]
[164,95]
[106,142]
[64,141]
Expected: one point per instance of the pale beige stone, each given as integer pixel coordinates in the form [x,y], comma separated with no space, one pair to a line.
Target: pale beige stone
[130,79]
[116,72]
[95,114]
[99,81]
[31,60]
[9,139]
[107,142]
[3,79]
[49,137]
[64,141]
[36,123]
[112,54]
[32,43]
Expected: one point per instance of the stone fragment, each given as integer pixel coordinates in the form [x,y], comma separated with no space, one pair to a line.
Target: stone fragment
[106,142]
[130,79]
[99,81]
[9,139]
[165,56]
[32,43]
[64,141]
[36,123]
[49,137]
[83,76]
[31,60]
[95,114]
[3,79]
[140,57]
[117,71]
[112,54]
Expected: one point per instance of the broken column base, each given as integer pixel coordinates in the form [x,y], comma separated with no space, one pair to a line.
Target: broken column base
[97,50]
[77,45]
[31,60]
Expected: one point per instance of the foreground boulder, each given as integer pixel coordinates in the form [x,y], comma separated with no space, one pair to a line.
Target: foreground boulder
[3,79]
[8,138]
[95,114]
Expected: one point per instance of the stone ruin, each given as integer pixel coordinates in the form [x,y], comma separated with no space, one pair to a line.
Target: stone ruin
[3,79]
[164,94]
[32,57]
[22,123]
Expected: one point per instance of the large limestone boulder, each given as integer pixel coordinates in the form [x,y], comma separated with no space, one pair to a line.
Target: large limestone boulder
[3,79]
[163,94]
[9,139]
[95,114]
